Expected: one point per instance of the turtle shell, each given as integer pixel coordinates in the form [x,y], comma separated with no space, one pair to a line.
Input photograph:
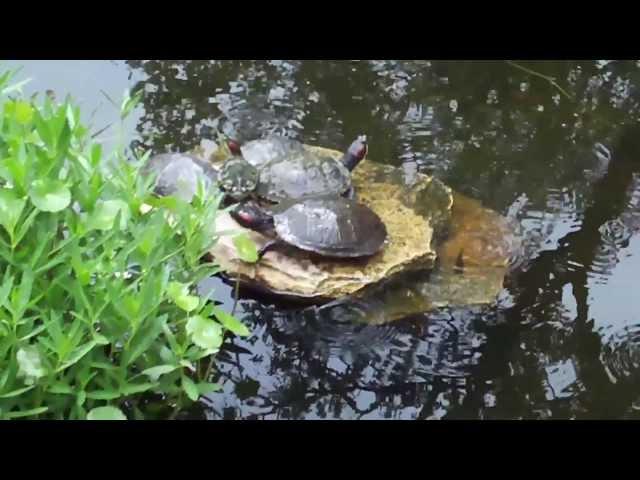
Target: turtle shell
[336,227]
[178,174]
[289,171]
[260,152]
[302,175]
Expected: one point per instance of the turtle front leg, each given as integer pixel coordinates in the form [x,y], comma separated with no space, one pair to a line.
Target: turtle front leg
[270,245]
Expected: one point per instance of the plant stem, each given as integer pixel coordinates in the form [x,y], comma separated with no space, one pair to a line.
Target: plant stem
[176,409]
[548,78]
[236,293]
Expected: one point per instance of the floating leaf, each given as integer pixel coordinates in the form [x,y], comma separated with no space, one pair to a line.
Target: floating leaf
[204,332]
[231,322]
[50,195]
[106,413]
[246,248]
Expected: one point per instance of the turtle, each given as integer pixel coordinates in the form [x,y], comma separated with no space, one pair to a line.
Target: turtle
[286,170]
[179,173]
[329,226]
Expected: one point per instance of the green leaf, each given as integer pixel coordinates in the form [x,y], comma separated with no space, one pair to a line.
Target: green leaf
[15,86]
[71,117]
[17,392]
[33,333]
[190,388]
[25,225]
[179,293]
[77,355]
[156,372]
[11,207]
[144,338]
[50,195]
[246,248]
[21,296]
[26,413]
[60,388]
[187,364]
[204,332]
[100,339]
[43,129]
[205,388]
[129,103]
[96,154]
[134,388]
[106,413]
[105,394]
[105,213]
[5,289]
[230,322]
[23,112]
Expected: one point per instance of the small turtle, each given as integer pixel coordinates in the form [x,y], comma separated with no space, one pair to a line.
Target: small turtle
[288,171]
[178,174]
[332,227]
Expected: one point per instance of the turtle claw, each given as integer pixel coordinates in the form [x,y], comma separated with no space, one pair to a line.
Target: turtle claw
[270,245]
[350,194]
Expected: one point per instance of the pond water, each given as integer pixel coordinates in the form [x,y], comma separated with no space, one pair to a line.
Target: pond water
[561,157]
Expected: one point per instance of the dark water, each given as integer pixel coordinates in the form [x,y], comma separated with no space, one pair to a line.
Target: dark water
[563,341]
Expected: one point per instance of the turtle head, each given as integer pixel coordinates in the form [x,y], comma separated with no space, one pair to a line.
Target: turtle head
[231,142]
[234,146]
[356,152]
[250,215]
[238,178]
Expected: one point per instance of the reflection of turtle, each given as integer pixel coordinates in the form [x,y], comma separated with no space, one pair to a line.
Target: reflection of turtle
[178,174]
[332,227]
[288,171]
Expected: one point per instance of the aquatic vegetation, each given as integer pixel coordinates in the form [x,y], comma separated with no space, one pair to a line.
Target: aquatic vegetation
[97,314]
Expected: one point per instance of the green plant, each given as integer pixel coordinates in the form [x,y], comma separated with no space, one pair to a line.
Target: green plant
[96,302]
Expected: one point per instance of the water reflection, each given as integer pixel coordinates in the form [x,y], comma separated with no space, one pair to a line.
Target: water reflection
[564,167]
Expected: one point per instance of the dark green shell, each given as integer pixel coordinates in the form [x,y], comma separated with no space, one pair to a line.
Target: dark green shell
[288,171]
[302,175]
[336,227]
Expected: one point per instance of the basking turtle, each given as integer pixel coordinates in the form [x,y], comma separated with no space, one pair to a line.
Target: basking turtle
[332,227]
[288,171]
[178,174]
